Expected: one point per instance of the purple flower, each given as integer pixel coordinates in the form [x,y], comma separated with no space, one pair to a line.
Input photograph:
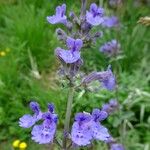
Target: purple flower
[45,132]
[110,48]
[99,115]
[59,17]
[42,133]
[116,146]
[74,45]
[99,132]
[110,107]
[26,121]
[51,107]
[110,22]
[95,15]
[73,54]
[83,117]
[87,128]
[109,81]
[81,133]
[106,78]
[67,55]
[34,106]
[61,35]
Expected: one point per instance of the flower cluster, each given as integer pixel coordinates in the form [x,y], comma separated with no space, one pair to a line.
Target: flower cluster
[43,133]
[77,40]
[86,127]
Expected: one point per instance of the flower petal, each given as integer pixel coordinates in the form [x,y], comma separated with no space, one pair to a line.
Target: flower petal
[27,121]
[43,134]
[99,115]
[110,22]
[81,135]
[95,15]
[99,132]
[74,45]
[59,17]
[67,56]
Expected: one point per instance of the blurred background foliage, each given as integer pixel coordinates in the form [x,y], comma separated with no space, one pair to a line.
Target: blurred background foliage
[28,70]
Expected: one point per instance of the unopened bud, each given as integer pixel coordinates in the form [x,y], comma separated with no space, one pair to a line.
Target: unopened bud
[69,26]
[61,35]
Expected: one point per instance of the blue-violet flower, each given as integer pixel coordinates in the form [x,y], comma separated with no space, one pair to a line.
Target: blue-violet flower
[59,17]
[45,132]
[87,128]
[42,133]
[95,15]
[73,54]
[27,120]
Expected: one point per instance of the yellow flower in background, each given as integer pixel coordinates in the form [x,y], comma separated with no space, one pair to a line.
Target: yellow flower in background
[15,144]
[2,53]
[22,146]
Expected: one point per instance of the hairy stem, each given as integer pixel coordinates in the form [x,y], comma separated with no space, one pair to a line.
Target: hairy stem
[68,116]
[83,7]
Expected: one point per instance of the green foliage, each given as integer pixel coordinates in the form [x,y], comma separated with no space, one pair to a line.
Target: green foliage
[27,72]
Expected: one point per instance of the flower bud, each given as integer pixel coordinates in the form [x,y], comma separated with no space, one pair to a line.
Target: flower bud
[69,25]
[61,35]
[86,27]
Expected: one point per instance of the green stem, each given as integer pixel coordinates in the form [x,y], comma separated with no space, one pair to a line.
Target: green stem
[117,65]
[58,143]
[68,116]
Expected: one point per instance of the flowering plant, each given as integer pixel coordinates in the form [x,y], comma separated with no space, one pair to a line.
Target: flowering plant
[87,127]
